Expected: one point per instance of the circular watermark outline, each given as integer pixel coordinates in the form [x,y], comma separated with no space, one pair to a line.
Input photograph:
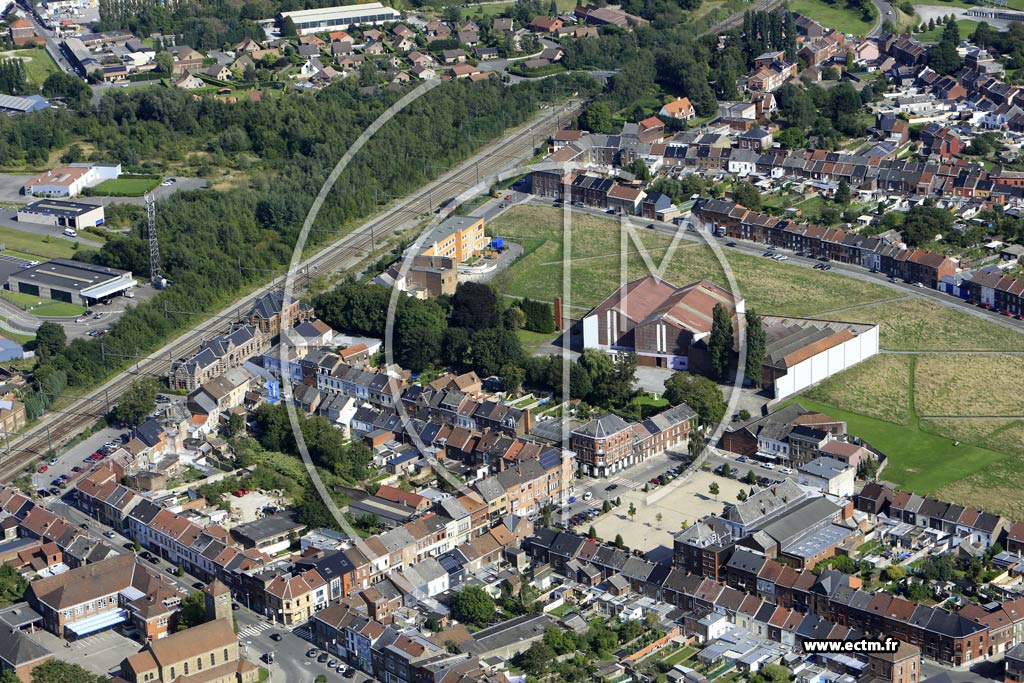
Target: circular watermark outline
[480,187]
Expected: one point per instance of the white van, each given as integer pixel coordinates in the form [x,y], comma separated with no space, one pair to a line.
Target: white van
[70,232]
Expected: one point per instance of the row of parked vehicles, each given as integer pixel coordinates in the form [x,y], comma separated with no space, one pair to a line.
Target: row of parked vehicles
[344,669]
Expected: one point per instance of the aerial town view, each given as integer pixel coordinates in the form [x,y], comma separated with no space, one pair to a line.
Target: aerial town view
[512,341]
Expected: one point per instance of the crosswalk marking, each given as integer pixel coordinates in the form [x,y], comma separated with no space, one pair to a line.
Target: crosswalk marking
[303,632]
[627,483]
[254,630]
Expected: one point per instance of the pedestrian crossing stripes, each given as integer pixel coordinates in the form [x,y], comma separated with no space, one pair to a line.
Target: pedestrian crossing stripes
[254,630]
[627,483]
[303,632]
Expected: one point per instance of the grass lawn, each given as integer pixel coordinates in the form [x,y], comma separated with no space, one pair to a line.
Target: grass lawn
[532,341]
[918,461]
[38,64]
[914,324]
[596,266]
[125,187]
[969,385]
[498,8]
[832,16]
[34,245]
[966,27]
[42,307]
[878,387]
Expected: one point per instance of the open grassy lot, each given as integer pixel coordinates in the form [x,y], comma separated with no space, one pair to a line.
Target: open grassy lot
[969,385]
[969,430]
[596,263]
[532,341]
[42,307]
[832,16]
[35,245]
[37,62]
[914,324]
[879,387]
[125,187]
[918,461]
[966,27]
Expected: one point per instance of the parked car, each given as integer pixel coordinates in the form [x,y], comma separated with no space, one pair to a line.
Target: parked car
[768,466]
[109,534]
[311,652]
[785,470]
[588,495]
[276,637]
[42,469]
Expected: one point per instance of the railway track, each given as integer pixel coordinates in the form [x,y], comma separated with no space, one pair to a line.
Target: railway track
[350,251]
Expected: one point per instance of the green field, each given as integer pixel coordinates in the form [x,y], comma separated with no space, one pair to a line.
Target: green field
[125,187]
[532,341]
[494,9]
[914,324]
[832,16]
[29,244]
[966,27]
[47,308]
[595,266]
[38,64]
[918,461]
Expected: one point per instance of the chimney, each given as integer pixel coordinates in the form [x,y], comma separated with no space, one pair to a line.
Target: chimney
[528,421]
[558,313]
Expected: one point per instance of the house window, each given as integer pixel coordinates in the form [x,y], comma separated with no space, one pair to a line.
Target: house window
[199,663]
[186,668]
[225,656]
[172,673]
[213,659]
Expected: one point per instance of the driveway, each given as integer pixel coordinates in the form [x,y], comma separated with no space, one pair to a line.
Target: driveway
[11,184]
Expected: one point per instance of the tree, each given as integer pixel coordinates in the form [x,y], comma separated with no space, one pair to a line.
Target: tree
[726,470]
[632,510]
[474,306]
[8,676]
[713,489]
[757,345]
[592,532]
[193,611]
[512,377]
[792,138]
[868,468]
[597,119]
[772,673]
[746,194]
[536,659]
[658,517]
[751,478]
[136,546]
[700,393]
[720,343]
[936,568]
[741,495]
[59,671]
[236,425]
[695,442]
[473,605]
[843,193]
[895,572]
[165,63]
[50,340]
[606,506]
[288,27]
[137,402]
[12,585]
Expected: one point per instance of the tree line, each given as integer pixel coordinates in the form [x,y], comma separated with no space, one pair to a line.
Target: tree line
[214,245]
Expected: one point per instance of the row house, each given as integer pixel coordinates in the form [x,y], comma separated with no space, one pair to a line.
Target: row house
[912,265]
[968,524]
[999,292]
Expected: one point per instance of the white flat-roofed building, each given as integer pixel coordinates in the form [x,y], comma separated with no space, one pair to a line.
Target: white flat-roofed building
[334,18]
[73,282]
[62,214]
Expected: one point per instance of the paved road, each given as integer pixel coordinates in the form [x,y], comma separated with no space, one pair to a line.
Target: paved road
[885,11]
[51,42]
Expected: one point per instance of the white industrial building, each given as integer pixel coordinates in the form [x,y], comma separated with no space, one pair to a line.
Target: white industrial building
[339,18]
[828,474]
[69,181]
[801,352]
[62,214]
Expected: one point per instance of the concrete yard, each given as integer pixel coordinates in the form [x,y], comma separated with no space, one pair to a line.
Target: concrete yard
[101,654]
[682,500]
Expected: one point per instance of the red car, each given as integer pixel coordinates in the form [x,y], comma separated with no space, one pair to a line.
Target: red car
[43,469]
[76,468]
[508,198]
[96,456]
[1007,314]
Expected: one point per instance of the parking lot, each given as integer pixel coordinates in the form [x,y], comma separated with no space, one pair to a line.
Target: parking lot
[75,457]
[101,654]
